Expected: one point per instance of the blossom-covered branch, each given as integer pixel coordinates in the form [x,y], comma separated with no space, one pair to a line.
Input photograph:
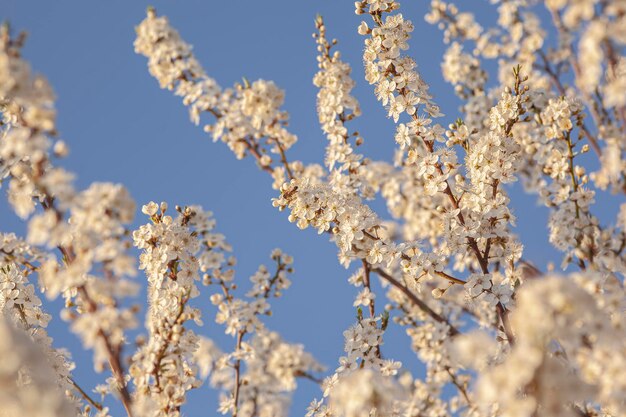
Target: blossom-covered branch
[495,334]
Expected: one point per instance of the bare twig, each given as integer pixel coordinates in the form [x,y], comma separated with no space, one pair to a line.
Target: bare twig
[416,301]
[86,396]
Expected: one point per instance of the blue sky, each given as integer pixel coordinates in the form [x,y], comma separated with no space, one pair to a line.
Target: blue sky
[121,127]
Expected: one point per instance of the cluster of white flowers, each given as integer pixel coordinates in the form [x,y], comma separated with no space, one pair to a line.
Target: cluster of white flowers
[356,229]
[92,238]
[23,308]
[265,367]
[514,41]
[398,84]
[366,392]
[319,206]
[335,106]
[248,116]
[15,250]
[455,24]
[163,369]
[560,346]
[271,369]
[357,387]
[517,129]
[172,63]
[29,384]
[87,227]
[463,71]
[257,377]
[27,105]
[616,83]
[487,324]
[251,112]
[550,169]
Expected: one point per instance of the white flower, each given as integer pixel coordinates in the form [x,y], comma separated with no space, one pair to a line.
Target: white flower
[365,298]
[150,209]
[365,391]
[477,284]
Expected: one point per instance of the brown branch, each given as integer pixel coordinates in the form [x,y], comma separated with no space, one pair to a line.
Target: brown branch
[472,242]
[503,313]
[372,306]
[416,301]
[283,159]
[460,387]
[257,155]
[113,356]
[237,374]
[306,375]
[408,258]
[366,284]
[86,396]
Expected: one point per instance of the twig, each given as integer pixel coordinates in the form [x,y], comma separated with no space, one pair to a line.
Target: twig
[306,375]
[372,306]
[237,374]
[413,298]
[86,396]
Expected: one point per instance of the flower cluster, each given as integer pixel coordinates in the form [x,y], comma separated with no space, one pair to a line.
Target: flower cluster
[550,326]
[459,207]
[172,63]
[497,336]
[247,117]
[398,85]
[271,369]
[364,392]
[163,368]
[265,367]
[363,370]
[319,206]
[463,71]
[87,227]
[23,308]
[29,384]
[335,106]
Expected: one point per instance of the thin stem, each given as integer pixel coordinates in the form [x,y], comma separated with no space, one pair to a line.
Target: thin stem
[460,387]
[237,374]
[86,396]
[113,356]
[372,306]
[306,375]
[283,159]
[366,284]
[503,313]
